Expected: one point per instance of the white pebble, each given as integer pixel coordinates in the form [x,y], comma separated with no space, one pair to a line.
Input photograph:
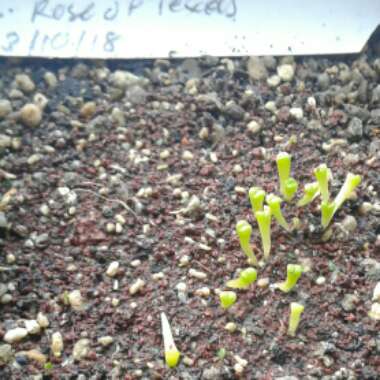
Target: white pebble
[273,81]
[120,219]
[254,127]
[320,280]
[375,311]
[213,157]
[158,276]
[376,292]
[56,344]
[197,274]
[184,260]
[136,286]
[285,72]
[32,326]
[42,320]
[10,258]
[105,340]
[203,292]
[75,299]
[187,155]
[15,335]
[44,210]
[230,327]
[112,269]
[81,349]
[136,263]
[296,112]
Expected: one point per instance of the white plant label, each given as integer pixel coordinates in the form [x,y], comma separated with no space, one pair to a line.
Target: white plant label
[184,28]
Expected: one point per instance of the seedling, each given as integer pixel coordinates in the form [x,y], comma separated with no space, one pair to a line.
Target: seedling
[351,182]
[327,213]
[244,231]
[322,175]
[172,354]
[284,162]
[293,273]
[274,203]
[311,191]
[256,197]
[290,190]
[227,299]
[296,310]
[263,220]
[246,278]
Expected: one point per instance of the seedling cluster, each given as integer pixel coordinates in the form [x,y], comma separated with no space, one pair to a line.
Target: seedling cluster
[268,206]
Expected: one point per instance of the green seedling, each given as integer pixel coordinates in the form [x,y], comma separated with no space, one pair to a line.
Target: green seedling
[351,182]
[296,310]
[322,175]
[245,279]
[256,197]
[227,299]
[263,219]
[274,203]
[244,231]
[293,273]
[311,191]
[327,213]
[172,354]
[284,162]
[290,190]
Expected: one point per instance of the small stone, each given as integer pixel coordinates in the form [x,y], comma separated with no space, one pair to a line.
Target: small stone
[349,302]
[273,81]
[110,227]
[256,68]
[296,112]
[115,302]
[349,223]
[320,280]
[286,72]
[254,127]
[5,108]
[165,154]
[120,219]
[30,115]
[105,340]
[371,268]
[197,274]
[203,292]
[158,276]
[112,269]
[374,313]
[40,100]
[15,335]
[35,355]
[50,79]
[187,155]
[56,344]
[355,129]
[6,354]
[270,106]
[213,157]
[323,81]
[203,133]
[230,327]
[365,208]
[32,326]
[234,111]
[44,210]
[24,83]
[75,299]
[136,286]
[34,159]
[237,169]
[81,349]
[6,298]
[118,228]
[263,282]
[376,293]
[42,320]
[10,258]
[124,79]
[184,260]
[88,110]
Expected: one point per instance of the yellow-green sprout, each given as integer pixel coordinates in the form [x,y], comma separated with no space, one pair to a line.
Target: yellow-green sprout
[327,213]
[263,219]
[291,187]
[293,273]
[246,278]
[227,299]
[244,231]
[256,197]
[296,309]
[322,175]
[351,182]
[274,203]
[284,162]
[311,191]
[172,354]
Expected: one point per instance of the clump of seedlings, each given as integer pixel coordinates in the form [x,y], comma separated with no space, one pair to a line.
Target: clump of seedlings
[172,354]
[296,309]
[246,278]
[244,232]
[293,273]
[227,299]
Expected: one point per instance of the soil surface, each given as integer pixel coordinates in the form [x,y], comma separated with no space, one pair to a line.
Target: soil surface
[148,165]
